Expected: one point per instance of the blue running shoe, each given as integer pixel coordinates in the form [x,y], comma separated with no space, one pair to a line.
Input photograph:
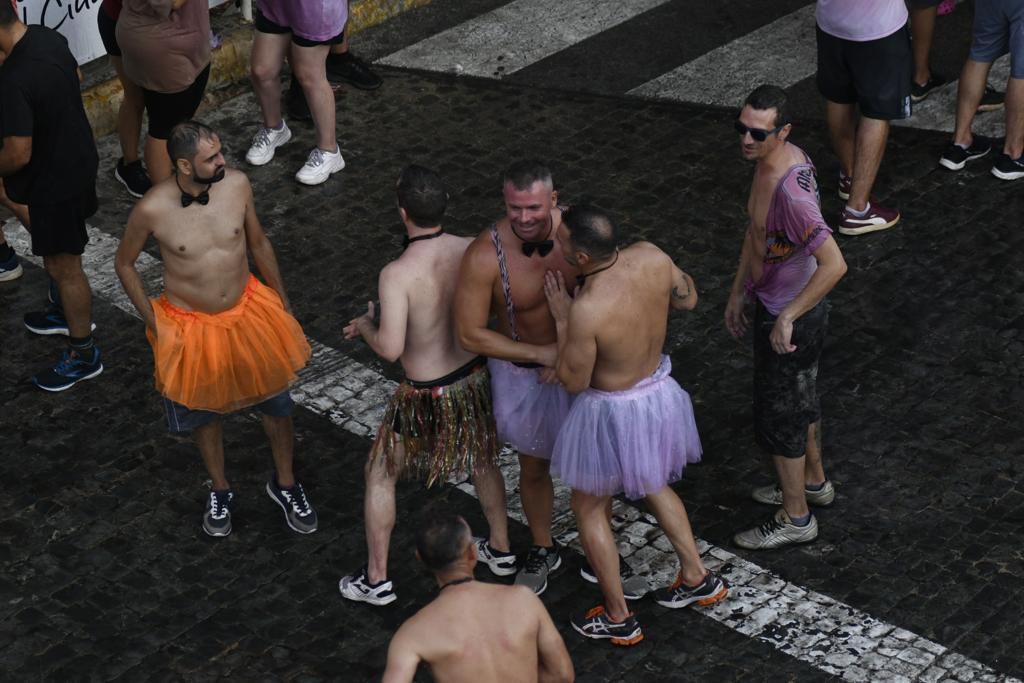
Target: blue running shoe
[50,321]
[69,370]
[10,269]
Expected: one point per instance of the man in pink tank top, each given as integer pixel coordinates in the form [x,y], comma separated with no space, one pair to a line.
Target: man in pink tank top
[788,264]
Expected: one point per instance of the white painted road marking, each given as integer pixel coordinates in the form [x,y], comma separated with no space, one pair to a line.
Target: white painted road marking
[812,627]
[516,35]
[783,53]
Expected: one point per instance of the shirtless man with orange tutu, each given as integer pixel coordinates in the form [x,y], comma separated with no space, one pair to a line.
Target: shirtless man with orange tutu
[221,339]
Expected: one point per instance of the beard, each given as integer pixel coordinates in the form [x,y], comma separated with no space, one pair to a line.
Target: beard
[217,176]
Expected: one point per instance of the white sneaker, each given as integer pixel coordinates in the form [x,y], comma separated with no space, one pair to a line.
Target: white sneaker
[358,588]
[500,564]
[319,166]
[265,142]
[772,495]
[777,532]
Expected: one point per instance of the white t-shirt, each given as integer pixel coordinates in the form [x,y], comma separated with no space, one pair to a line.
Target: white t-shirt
[861,20]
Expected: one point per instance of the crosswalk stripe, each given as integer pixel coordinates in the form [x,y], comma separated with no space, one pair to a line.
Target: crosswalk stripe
[783,53]
[830,635]
[938,111]
[516,35]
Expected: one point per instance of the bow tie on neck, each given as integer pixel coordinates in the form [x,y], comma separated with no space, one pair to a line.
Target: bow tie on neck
[201,198]
[542,247]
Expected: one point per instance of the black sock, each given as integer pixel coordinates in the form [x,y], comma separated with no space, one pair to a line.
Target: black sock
[84,347]
[6,252]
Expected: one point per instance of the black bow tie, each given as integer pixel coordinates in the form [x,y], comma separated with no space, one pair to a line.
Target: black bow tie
[542,247]
[201,198]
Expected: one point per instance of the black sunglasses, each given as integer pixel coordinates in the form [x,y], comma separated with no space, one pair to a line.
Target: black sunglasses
[759,134]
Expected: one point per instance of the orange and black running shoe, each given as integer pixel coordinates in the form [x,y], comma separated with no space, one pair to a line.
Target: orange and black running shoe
[595,623]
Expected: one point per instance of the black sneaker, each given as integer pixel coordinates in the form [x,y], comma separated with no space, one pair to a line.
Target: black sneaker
[295,102]
[349,68]
[955,156]
[500,564]
[594,623]
[1006,168]
[217,518]
[711,590]
[69,371]
[299,514]
[991,99]
[919,92]
[50,321]
[10,269]
[634,586]
[134,177]
[539,563]
[357,587]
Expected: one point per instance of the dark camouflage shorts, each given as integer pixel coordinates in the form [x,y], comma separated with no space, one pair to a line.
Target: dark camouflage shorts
[786,385]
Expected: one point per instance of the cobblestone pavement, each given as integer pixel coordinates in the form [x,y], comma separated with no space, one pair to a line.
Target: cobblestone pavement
[107,575]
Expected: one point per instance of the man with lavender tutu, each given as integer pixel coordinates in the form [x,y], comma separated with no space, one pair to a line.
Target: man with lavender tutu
[502,275]
[789,263]
[631,427]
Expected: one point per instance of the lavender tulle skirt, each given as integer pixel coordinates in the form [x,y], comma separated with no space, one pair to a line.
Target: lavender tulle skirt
[634,441]
[528,414]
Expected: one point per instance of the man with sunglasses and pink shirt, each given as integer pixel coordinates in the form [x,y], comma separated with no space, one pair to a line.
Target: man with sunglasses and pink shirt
[788,264]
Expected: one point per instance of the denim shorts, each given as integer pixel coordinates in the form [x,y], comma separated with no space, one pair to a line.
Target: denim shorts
[998,29]
[182,419]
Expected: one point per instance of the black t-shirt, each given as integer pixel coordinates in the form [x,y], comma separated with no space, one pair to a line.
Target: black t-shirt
[40,97]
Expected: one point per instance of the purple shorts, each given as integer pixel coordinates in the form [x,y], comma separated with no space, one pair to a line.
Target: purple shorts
[528,414]
[313,21]
[634,441]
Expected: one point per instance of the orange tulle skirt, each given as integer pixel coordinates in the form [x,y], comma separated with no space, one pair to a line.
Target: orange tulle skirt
[229,360]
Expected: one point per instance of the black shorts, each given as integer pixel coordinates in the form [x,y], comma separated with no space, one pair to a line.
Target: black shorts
[181,419]
[264,25]
[108,33]
[874,74]
[786,385]
[165,111]
[60,228]
[921,4]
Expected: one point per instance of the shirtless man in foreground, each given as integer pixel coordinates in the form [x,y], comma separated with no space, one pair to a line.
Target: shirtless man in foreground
[631,428]
[221,339]
[457,634]
[439,421]
[788,264]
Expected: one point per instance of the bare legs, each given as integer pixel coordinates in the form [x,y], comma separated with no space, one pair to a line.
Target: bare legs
[75,294]
[379,509]
[129,114]
[280,431]
[602,553]
[859,142]
[538,496]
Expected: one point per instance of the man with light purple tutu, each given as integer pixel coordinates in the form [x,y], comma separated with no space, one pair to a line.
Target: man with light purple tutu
[503,275]
[789,263]
[631,428]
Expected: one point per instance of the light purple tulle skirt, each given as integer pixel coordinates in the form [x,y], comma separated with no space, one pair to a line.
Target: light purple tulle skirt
[634,441]
[528,414]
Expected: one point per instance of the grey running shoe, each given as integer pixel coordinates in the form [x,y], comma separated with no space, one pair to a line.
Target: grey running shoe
[594,623]
[357,587]
[500,564]
[299,514]
[217,518]
[634,586]
[711,590]
[777,532]
[539,563]
[772,495]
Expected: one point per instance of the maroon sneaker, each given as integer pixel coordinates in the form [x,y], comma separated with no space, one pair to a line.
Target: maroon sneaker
[845,183]
[877,218]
